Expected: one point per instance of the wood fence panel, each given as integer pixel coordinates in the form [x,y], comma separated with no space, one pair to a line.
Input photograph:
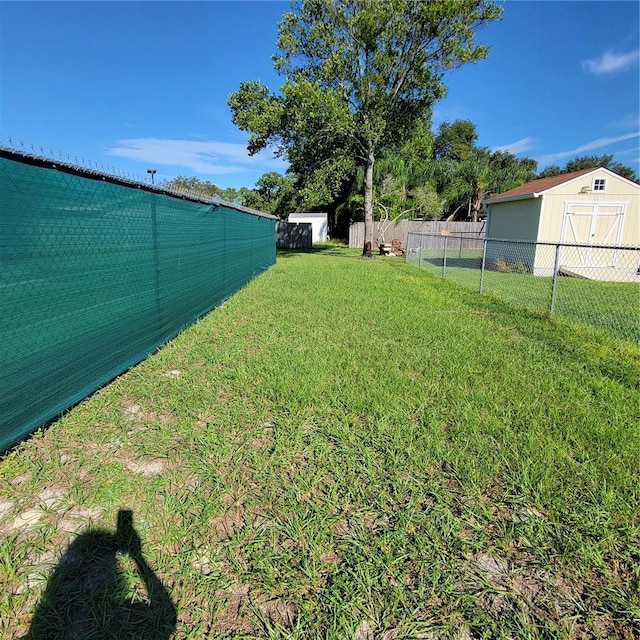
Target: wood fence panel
[401,229]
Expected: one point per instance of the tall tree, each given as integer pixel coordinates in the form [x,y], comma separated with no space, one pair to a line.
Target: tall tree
[550,171]
[276,194]
[508,172]
[358,73]
[466,183]
[455,140]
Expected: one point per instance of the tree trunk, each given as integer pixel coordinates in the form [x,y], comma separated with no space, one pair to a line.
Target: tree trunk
[368,207]
[478,197]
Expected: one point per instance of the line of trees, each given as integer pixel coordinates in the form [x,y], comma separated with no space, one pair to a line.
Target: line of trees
[273,193]
[432,176]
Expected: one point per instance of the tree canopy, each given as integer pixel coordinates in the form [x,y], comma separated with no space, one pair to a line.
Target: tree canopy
[184,183]
[465,174]
[591,162]
[455,140]
[273,193]
[358,74]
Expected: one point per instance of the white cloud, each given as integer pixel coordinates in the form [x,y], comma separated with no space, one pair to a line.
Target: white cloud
[632,152]
[589,146]
[631,120]
[519,146]
[204,157]
[610,62]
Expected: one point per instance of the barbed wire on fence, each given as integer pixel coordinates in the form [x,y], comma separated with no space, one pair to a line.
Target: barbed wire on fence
[86,168]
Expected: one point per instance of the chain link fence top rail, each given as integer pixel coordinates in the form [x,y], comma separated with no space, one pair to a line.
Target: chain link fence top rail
[96,272]
[593,285]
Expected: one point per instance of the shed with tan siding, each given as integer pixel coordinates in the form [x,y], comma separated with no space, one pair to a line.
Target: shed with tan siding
[591,207]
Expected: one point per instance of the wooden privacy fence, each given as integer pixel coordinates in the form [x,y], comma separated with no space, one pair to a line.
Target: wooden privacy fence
[401,229]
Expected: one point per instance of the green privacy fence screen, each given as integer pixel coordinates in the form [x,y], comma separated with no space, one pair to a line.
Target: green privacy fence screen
[96,272]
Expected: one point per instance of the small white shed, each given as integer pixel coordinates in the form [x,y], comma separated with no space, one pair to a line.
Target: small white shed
[590,208]
[319,224]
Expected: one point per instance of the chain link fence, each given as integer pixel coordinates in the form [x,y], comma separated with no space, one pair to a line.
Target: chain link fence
[97,271]
[595,285]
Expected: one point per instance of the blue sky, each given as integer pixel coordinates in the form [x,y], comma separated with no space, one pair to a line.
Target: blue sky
[133,85]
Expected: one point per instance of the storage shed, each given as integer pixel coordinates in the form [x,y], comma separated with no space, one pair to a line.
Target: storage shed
[319,224]
[588,209]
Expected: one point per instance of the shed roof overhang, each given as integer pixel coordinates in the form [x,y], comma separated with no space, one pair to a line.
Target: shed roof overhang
[524,196]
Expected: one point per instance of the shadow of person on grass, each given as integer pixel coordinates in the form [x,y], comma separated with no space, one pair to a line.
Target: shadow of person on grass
[103,588]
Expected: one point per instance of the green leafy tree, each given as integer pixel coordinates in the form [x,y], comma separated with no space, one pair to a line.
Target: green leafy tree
[195,185]
[591,162]
[358,73]
[273,193]
[551,171]
[588,162]
[508,172]
[606,161]
[427,204]
[401,180]
[465,174]
[231,194]
[276,194]
[454,140]
[624,171]
[465,184]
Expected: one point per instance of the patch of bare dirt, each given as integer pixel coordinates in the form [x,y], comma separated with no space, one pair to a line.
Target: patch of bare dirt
[51,498]
[342,528]
[262,442]
[493,569]
[529,588]
[26,521]
[236,616]
[132,411]
[376,522]
[147,468]
[230,522]
[5,507]
[365,631]
[205,561]
[331,557]
[79,518]
[21,479]
[278,612]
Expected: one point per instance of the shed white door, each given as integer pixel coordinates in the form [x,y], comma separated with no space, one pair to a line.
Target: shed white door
[589,225]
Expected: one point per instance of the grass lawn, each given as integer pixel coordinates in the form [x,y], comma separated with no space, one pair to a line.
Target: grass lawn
[613,308]
[346,448]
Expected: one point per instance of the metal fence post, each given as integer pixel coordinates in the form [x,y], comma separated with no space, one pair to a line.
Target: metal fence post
[556,269]
[484,258]
[156,260]
[444,258]
[420,255]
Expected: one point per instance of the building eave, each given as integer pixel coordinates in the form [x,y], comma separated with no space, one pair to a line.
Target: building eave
[524,196]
